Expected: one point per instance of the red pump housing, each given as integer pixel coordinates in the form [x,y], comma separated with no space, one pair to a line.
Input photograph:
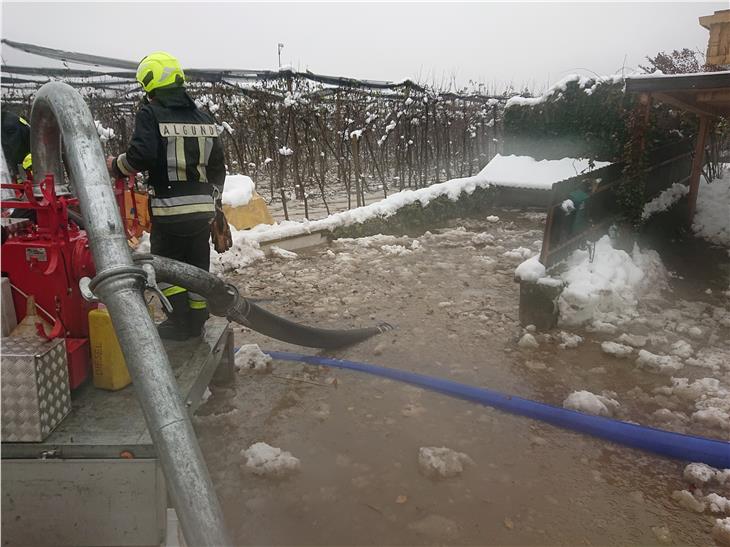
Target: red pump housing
[46,259]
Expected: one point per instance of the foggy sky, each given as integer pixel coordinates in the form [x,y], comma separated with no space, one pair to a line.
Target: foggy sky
[490,43]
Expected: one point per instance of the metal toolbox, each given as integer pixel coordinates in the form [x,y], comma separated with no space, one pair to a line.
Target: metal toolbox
[35,388]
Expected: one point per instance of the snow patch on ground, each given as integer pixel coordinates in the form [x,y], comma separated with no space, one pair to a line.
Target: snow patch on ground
[263,459]
[441,461]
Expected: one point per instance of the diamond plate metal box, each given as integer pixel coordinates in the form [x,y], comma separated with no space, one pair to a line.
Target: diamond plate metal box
[35,388]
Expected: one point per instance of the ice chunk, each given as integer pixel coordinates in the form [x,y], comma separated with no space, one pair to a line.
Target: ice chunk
[717,503]
[521,253]
[250,356]
[617,350]
[699,474]
[712,417]
[492,218]
[263,459]
[633,340]
[685,499]
[528,341]
[682,349]
[441,461]
[283,253]
[721,531]
[569,340]
[664,364]
[590,403]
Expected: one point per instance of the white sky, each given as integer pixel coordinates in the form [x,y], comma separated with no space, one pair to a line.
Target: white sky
[491,43]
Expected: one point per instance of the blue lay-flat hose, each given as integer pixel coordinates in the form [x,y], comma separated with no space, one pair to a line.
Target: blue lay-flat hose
[691,448]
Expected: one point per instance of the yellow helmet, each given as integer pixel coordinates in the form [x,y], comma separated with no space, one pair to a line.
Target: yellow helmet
[159,69]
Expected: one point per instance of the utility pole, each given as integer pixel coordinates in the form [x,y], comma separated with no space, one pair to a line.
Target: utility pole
[280,47]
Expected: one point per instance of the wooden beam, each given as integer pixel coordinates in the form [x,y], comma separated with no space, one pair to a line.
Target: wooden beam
[697,162]
[719,95]
[684,105]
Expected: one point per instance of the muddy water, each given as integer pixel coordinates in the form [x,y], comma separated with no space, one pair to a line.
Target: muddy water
[454,302]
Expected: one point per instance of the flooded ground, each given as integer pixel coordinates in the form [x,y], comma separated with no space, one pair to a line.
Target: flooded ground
[452,297]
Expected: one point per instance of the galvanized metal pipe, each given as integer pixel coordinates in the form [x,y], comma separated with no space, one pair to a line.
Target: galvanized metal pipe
[60,118]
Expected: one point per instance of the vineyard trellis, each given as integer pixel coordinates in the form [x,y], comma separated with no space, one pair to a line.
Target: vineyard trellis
[305,136]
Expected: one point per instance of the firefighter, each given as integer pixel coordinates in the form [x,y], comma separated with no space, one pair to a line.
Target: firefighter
[16,142]
[178,145]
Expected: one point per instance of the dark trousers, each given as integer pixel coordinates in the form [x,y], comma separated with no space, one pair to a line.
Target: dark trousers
[187,242]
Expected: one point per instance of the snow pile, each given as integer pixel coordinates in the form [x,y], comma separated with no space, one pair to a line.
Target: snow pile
[441,461]
[712,217]
[263,459]
[530,270]
[590,403]
[250,356]
[245,251]
[607,288]
[527,172]
[616,350]
[665,200]
[237,190]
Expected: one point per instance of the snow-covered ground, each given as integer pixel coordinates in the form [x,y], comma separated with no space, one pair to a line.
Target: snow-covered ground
[359,439]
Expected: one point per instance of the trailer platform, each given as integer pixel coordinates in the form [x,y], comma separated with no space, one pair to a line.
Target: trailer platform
[96,479]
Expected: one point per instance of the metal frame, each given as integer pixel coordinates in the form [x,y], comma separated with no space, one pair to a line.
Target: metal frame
[97,479]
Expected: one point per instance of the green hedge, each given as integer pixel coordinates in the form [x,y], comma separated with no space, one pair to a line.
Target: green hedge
[416,219]
[576,123]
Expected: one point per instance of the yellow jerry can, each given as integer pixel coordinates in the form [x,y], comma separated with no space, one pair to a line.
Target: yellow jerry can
[109,368]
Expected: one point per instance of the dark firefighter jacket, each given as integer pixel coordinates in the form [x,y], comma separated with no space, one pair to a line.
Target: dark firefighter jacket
[15,139]
[178,145]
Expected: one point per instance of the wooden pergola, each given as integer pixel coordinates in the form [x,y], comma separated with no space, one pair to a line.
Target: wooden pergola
[706,94]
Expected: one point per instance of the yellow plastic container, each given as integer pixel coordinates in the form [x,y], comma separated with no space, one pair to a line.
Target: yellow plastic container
[109,367]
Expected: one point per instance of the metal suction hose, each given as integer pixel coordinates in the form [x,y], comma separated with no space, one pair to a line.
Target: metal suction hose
[61,117]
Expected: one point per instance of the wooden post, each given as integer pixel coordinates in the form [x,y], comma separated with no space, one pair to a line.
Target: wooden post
[355,148]
[694,177]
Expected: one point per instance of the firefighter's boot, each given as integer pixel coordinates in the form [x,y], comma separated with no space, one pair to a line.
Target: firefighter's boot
[196,322]
[177,324]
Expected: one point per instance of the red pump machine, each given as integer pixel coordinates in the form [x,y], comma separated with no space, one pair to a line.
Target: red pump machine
[47,258]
